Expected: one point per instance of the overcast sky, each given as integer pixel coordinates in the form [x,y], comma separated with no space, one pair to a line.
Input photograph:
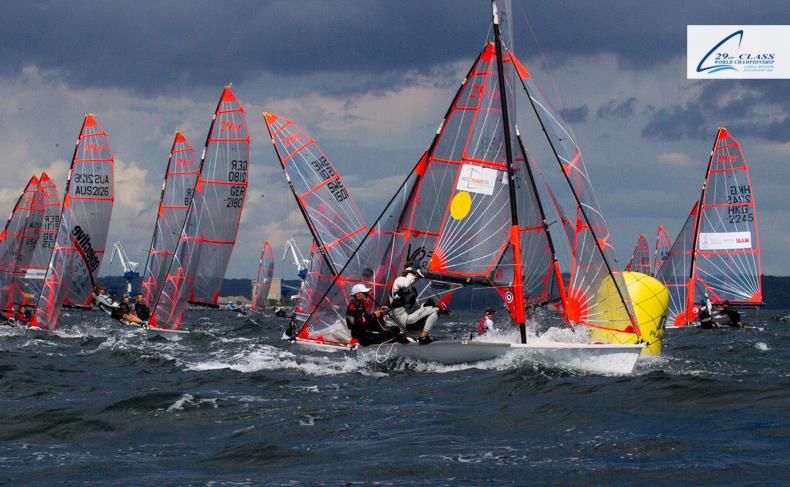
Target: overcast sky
[371,81]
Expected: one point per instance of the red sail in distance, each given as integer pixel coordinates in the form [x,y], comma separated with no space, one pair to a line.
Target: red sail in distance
[640,260]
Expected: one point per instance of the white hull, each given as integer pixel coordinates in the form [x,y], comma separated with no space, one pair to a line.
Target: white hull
[321,347]
[152,332]
[603,359]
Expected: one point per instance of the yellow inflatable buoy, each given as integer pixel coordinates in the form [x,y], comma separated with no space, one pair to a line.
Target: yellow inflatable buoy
[650,300]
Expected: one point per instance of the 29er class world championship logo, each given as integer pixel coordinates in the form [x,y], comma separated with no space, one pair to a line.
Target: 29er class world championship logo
[738,52]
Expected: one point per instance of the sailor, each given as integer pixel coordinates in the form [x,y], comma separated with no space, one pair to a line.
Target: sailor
[707,303]
[122,311]
[141,309]
[486,325]
[704,316]
[23,314]
[734,318]
[403,297]
[369,328]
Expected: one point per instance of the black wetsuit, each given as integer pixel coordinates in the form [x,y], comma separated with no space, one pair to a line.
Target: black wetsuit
[705,319]
[734,318]
[367,329]
[142,311]
[122,309]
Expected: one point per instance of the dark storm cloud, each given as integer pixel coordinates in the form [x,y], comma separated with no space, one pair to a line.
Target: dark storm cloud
[160,46]
[758,108]
[616,110]
[576,114]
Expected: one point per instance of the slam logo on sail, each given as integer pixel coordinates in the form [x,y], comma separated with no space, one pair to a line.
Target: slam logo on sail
[86,249]
[725,51]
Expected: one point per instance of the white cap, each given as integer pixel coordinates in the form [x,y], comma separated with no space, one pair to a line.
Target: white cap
[359,288]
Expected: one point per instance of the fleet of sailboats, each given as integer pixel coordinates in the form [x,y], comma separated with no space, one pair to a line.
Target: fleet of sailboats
[470,214]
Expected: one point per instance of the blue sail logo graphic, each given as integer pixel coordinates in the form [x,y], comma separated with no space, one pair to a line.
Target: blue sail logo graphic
[717,65]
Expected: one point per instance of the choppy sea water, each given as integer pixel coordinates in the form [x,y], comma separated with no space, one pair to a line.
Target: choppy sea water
[232,404]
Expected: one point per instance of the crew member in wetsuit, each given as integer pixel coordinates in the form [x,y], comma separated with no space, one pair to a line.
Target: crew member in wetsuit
[122,311]
[733,315]
[141,309]
[369,328]
[404,297]
[486,325]
[705,318]
[23,314]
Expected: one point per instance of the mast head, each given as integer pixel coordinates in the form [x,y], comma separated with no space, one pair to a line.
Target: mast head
[494,12]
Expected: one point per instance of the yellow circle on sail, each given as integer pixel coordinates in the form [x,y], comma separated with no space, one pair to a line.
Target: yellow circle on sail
[460,206]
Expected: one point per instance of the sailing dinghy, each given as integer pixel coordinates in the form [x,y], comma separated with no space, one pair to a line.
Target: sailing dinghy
[640,260]
[717,252]
[177,188]
[82,228]
[17,245]
[469,214]
[260,293]
[206,240]
[34,273]
[332,217]
[663,244]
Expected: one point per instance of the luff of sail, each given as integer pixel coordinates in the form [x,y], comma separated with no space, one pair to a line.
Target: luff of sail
[209,233]
[332,217]
[82,232]
[36,270]
[177,190]
[17,242]
[640,259]
[264,281]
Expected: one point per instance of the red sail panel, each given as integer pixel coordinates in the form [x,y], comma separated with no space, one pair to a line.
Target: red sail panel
[18,242]
[260,294]
[675,271]
[727,252]
[640,260]
[84,222]
[326,205]
[663,244]
[34,273]
[596,295]
[177,189]
[204,247]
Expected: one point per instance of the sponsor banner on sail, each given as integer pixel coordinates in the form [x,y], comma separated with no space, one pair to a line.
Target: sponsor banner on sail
[36,274]
[738,51]
[476,179]
[725,241]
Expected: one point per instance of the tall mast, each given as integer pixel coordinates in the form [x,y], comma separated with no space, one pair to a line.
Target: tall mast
[691,286]
[515,235]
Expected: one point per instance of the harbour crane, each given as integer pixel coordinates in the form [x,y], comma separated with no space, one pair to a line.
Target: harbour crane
[299,261]
[129,267]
